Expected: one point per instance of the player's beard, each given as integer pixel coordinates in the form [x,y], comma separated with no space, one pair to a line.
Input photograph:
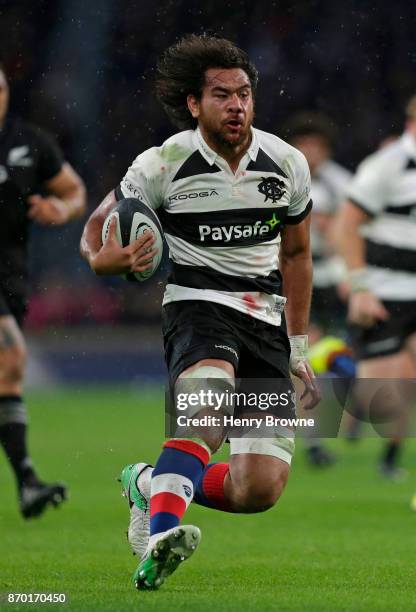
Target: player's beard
[219,138]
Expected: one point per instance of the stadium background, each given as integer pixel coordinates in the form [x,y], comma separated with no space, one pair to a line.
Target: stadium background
[339,540]
[85,73]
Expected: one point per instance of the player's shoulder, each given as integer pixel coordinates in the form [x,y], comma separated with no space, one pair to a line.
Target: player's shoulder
[284,154]
[278,148]
[24,137]
[334,172]
[386,160]
[166,158]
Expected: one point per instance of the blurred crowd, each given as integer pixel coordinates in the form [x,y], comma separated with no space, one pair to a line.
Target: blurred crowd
[85,74]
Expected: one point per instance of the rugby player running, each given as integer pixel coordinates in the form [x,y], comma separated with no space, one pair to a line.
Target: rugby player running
[36,184]
[222,309]
[376,236]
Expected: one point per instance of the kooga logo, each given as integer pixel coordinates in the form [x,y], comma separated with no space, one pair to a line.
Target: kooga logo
[192,195]
[226,233]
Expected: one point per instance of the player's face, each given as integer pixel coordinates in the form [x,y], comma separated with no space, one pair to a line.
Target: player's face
[314,148]
[225,110]
[4,96]
[411,125]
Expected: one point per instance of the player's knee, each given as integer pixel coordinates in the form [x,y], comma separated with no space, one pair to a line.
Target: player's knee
[13,363]
[207,379]
[255,498]
[259,495]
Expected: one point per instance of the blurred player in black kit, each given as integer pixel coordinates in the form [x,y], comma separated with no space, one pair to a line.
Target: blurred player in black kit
[30,164]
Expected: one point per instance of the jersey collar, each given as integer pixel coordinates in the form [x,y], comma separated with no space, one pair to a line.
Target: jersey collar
[211,156]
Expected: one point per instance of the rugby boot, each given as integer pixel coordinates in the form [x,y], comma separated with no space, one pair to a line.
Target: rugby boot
[35,497]
[164,554]
[135,481]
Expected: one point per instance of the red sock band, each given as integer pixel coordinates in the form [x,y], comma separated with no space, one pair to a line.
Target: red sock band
[167,502]
[190,447]
[213,486]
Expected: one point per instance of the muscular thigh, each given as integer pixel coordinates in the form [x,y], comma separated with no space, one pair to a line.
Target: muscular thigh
[411,347]
[196,331]
[388,396]
[399,365]
[264,470]
[12,343]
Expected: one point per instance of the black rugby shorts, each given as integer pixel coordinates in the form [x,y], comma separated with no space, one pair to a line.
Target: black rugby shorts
[12,303]
[198,329]
[385,337]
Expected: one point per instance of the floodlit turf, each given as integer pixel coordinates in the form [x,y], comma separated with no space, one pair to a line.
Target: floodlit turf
[340,539]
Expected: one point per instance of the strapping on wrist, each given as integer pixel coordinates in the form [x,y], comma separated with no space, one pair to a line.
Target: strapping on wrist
[299,346]
[358,280]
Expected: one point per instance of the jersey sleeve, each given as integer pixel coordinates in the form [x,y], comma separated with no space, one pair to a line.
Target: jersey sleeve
[300,203]
[369,187]
[49,155]
[143,181]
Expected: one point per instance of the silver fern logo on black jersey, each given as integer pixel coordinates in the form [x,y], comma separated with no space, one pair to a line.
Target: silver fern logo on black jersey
[227,233]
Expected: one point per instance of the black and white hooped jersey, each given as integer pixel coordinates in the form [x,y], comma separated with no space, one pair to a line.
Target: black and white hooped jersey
[223,229]
[329,186]
[385,188]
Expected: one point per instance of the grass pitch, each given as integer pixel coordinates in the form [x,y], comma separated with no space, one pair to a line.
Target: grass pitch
[339,539]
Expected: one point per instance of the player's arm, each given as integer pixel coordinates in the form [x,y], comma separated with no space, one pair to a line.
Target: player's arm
[296,270]
[66,198]
[350,243]
[364,307]
[110,258]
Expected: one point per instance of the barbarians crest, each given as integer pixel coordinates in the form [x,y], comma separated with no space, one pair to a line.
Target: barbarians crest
[272,188]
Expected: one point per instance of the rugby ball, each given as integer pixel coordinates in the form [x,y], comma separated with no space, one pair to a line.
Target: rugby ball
[133,220]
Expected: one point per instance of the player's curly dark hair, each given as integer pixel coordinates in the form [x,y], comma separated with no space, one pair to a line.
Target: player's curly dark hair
[181,71]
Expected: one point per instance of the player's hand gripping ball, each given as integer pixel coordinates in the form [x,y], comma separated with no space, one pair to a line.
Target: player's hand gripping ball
[133,220]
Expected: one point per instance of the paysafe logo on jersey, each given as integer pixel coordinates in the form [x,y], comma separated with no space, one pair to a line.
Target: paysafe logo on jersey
[227,233]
